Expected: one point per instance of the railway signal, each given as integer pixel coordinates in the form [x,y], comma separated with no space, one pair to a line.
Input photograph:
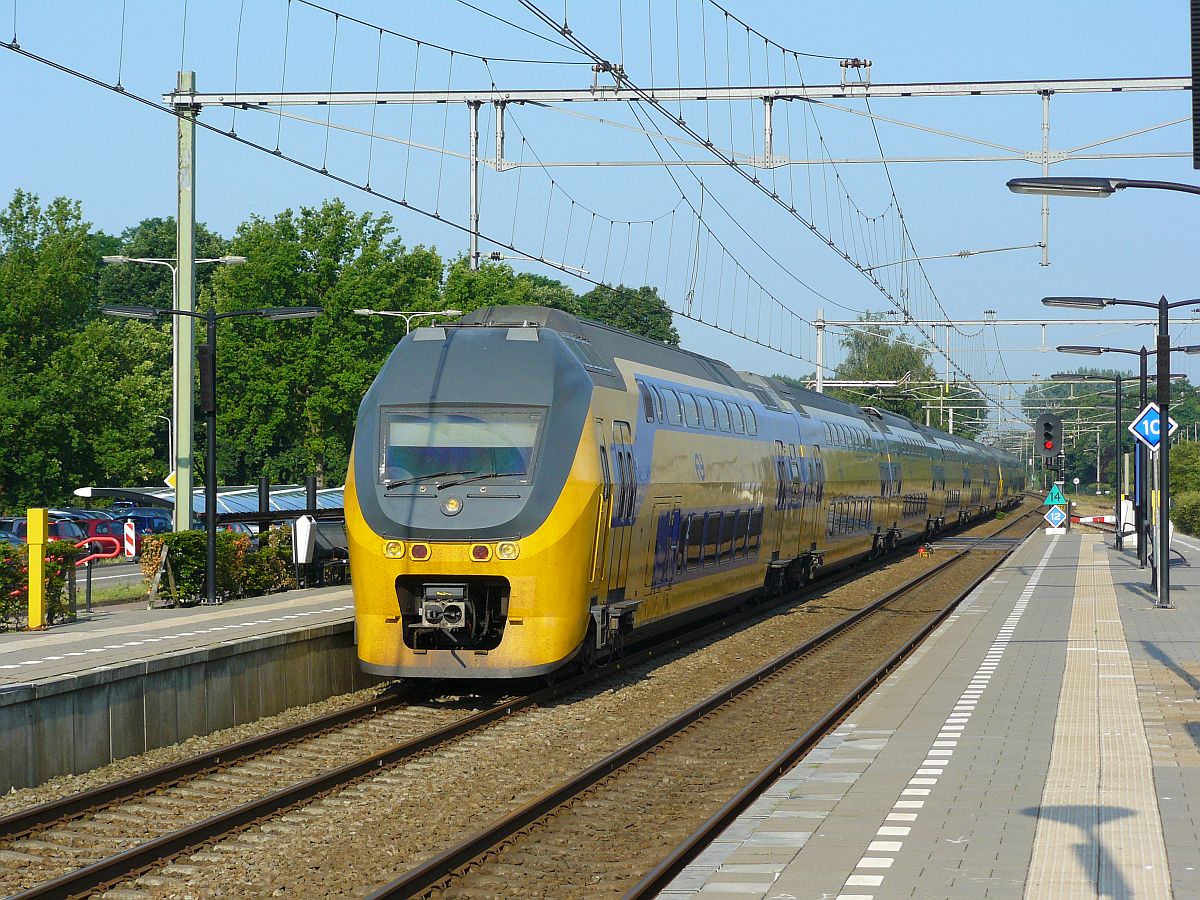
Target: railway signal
[1048,433]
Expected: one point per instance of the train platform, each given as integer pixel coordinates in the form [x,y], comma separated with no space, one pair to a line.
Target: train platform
[124,680]
[116,635]
[1043,742]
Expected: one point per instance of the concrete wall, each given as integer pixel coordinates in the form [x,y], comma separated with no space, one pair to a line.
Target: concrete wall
[75,723]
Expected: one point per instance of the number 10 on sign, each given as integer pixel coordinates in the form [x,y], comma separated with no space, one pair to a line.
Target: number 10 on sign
[1147,426]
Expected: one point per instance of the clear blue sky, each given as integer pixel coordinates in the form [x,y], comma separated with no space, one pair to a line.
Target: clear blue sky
[65,137]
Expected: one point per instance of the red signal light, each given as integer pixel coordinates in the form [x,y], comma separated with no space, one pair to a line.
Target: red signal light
[1049,445]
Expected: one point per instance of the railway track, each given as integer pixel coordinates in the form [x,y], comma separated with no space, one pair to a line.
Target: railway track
[587,835]
[99,838]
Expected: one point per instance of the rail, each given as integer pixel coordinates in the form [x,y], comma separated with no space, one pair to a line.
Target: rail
[139,858]
[438,868]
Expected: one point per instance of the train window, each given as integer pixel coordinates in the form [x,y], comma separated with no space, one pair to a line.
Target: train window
[658,402]
[622,484]
[739,532]
[695,541]
[735,413]
[751,420]
[712,530]
[723,422]
[728,522]
[754,531]
[647,400]
[605,472]
[417,441]
[706,414]
[691,412]
[671,405]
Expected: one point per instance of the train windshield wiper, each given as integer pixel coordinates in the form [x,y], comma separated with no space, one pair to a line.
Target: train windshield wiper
[403,481]
[445,484]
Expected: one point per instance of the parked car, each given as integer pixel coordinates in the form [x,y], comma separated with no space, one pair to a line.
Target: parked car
[7,537]
[59,529]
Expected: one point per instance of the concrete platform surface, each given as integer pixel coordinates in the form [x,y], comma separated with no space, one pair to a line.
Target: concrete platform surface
[1043,743]
[119,634]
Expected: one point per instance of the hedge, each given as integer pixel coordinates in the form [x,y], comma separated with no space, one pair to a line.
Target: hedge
[14,583]
[242,571]
[1185,512]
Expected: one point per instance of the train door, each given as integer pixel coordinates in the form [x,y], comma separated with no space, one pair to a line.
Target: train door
[812,523]
[620,454]
[783,480]
[604,510]
[662,561]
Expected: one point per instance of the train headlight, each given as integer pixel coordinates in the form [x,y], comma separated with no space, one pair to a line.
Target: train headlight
[394,549]
[507,550]
[481,553]
[452,506]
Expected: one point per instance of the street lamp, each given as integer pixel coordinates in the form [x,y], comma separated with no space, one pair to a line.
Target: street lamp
[208,403]
[407,317]
[1091,187]
[1163,391]
[181,385]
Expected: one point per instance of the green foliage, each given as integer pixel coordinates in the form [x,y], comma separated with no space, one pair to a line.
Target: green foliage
[14,585]
[82,395]
[1185,467]
[639,310]
[1087,412]
[1185,512]
[241,570]
[60,558]
[289,391]
[875,352]
[493,284]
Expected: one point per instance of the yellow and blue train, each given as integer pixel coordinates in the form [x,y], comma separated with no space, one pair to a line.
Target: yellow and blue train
[527,487]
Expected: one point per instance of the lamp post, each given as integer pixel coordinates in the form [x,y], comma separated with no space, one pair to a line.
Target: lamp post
[407,316]
[208,403]
[1106,187]
[181,386]
[1164,377]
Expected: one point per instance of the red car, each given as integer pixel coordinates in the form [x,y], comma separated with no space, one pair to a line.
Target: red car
[59,529]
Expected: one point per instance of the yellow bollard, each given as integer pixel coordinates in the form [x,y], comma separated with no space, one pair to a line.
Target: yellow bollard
[37,532]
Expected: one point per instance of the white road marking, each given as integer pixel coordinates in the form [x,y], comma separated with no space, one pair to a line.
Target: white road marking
[167,637]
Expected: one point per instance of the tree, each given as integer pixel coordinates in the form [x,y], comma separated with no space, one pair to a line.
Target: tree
[492,284]
[875,352]
[550,292]
[289,392]
[640,310]
[47,279]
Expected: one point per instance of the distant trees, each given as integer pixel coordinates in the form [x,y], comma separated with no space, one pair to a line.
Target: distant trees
[81,393]
[78,394]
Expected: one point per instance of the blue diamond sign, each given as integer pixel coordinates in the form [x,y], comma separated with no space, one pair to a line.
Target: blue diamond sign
[1055,516]
[1147,426]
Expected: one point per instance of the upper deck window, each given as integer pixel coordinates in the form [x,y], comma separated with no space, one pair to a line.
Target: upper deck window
[419,442]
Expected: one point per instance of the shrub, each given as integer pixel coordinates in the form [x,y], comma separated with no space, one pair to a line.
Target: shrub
[1185,512]
[241,570]
[14,583]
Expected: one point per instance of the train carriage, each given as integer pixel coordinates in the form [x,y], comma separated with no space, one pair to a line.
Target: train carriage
[526,487]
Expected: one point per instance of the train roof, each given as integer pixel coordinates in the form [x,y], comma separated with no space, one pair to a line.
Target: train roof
[598,346]
[605,344]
